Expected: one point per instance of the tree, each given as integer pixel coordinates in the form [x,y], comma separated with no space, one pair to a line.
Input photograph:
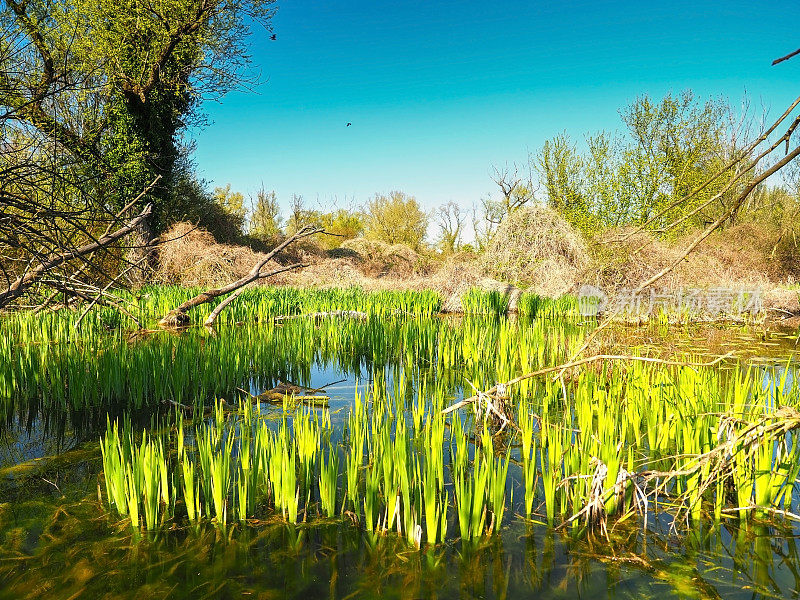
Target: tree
[738,177]
[343,224]
[95,93]
[517,188]
[234,213]
[669,148]
[450,218]
[395,218]
[299,215]
[561,168]
[338,225]
[265,219]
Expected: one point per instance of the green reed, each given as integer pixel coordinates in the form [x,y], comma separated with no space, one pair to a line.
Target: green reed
[586,436]
[477,301]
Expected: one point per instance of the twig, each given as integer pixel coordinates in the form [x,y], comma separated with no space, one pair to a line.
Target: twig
[787,57]
[101,292]
[35,274]
[584,361]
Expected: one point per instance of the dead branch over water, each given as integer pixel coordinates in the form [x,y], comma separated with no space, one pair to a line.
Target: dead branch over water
[180,315]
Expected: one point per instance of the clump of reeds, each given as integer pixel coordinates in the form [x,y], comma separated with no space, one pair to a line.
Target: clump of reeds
[484,302]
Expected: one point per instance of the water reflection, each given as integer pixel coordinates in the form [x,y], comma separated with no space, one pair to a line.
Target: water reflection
[76,550]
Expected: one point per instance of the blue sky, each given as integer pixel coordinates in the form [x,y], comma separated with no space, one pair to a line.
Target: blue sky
[438,92]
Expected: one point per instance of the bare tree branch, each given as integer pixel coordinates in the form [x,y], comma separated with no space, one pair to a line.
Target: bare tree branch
[787,57]
[18,287]
[179,316]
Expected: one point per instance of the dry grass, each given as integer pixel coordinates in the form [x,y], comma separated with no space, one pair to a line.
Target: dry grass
[738,257]
[379,259]
[537,248]
[194,258]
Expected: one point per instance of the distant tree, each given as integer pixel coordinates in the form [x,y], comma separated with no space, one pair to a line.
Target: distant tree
[516,185]
[344,224]
[232,205]
[395,218]
[300,215]
[486,216]
[561,168]
[265,219]
[450,218]
[668,149]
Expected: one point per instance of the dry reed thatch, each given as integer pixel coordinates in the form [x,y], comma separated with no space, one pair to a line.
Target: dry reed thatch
[740,256]
[379,259]
[536,247]
[456,277]
[194,258]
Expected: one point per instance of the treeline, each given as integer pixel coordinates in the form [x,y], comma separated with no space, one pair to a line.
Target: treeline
[665,171]
[393,218]
[96,97]
[675,166]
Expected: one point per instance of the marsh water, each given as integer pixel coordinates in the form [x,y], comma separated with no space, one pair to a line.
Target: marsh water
[60,539]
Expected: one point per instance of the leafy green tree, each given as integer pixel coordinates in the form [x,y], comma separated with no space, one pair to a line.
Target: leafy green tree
[562,169]
[668,149]
[300,215]
[111,84]
[344,224]
[265,218]
[395,218]
[232,204]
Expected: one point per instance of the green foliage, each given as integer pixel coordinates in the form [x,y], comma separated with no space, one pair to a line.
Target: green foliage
[345,224]
[668,149]
[395,218]
[111,85]
[232,205]
[265,218]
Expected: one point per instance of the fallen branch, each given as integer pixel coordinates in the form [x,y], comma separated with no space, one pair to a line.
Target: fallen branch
[18,287]
[180,315]
[292,393]
[717,464]
[221,306]
[504,386]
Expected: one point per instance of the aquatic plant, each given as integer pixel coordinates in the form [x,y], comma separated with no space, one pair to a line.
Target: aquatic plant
[489,302]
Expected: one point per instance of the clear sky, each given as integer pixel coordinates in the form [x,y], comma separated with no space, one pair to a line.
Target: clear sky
[437,92]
